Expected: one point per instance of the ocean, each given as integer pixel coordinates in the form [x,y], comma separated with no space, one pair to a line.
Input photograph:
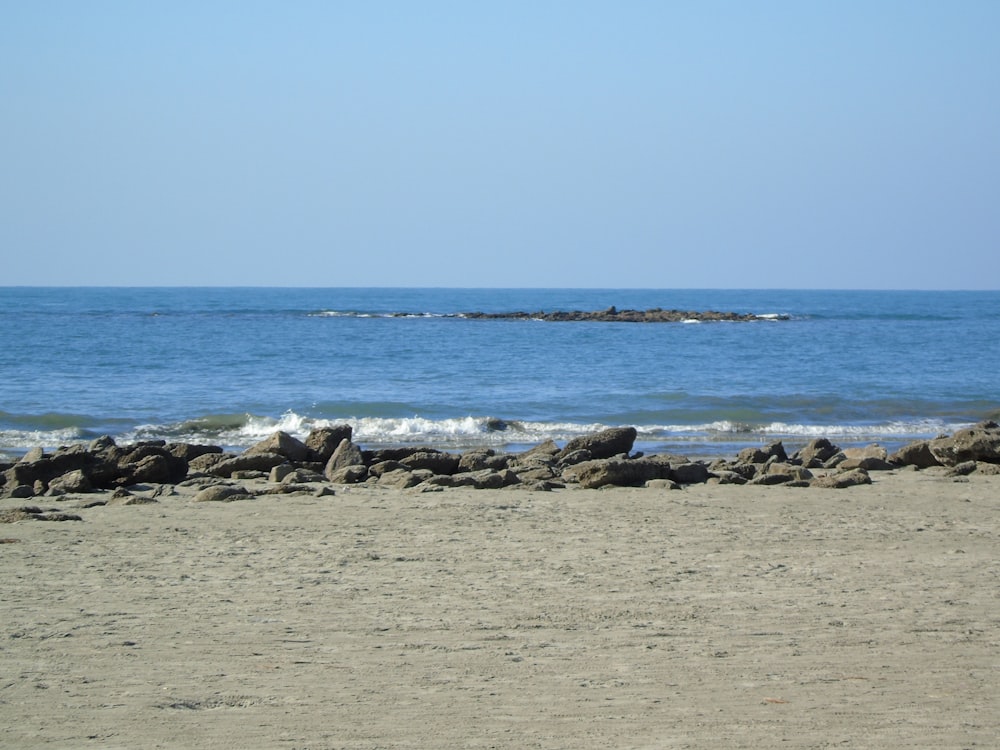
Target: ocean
[228,366]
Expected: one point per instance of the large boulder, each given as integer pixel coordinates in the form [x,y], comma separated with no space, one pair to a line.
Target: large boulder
[323,441]
[979,443]
[346,455]
[816,453]
[262,462]
[620,472]
[436,461]
[604,444]
[917,454]
[284,445]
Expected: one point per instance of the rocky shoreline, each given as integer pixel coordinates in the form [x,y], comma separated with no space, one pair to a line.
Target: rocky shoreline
[614,315]
[328,457]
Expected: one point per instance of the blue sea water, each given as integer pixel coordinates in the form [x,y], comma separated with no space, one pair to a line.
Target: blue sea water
[228,366]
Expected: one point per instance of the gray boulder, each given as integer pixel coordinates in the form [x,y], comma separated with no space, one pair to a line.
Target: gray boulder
[262,462]
[436,461]
[605,444]
[347,454]
[323,441]
[284,445]
[978,443]
[620,472]
[916,454]
[816,453]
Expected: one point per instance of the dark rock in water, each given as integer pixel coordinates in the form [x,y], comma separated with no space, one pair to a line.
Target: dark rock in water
[614,315]
[284,445]
[323,441]
[604,444]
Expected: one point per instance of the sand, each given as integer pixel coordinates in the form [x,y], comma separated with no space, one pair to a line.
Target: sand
[715,616]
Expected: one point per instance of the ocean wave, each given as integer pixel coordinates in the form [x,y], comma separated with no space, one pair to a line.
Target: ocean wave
[239,431]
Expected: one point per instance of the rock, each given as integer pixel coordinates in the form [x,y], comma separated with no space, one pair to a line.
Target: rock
[916,454]
[72,481]
[284,445]
[439,463]
[279,472]
[755,455]
[204,462]
[221,493]
[101,443]
[771,479]
[400,478]
[979,443]
[620,472]
[839,480]
[574,457]
[789,470]
[348,474]
[604,444]
[451,480]
[691,472]
[728,477]
[35,454]
[347,454]
[816,453]
[191,451]
[385,467]
[867,451]
[536,474]
[868,463]
[962,469]
[31,513]
[323,441]
[547,448]
[21,491]
[262,462]
[129,499]
[478,460]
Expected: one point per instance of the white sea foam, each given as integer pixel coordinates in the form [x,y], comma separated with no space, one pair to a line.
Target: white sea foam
[241,431]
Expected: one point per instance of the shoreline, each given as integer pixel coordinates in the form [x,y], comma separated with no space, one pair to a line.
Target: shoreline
[718,615]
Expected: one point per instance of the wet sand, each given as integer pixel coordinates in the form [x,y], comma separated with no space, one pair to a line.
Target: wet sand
[714,616]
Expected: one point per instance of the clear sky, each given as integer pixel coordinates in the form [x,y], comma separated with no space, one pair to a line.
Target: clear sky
[743,144]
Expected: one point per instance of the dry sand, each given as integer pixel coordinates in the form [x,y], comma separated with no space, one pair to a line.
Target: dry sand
[709,617]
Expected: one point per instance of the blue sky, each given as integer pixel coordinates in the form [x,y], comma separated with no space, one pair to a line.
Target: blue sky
[516,144]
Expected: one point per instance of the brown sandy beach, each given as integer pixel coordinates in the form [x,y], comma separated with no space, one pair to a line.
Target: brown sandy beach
[715,616]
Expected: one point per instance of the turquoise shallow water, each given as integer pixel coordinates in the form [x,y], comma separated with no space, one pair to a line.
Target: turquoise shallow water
[228,366]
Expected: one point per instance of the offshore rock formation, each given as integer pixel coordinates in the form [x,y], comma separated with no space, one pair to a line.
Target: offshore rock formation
[602,459]
[614,315]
